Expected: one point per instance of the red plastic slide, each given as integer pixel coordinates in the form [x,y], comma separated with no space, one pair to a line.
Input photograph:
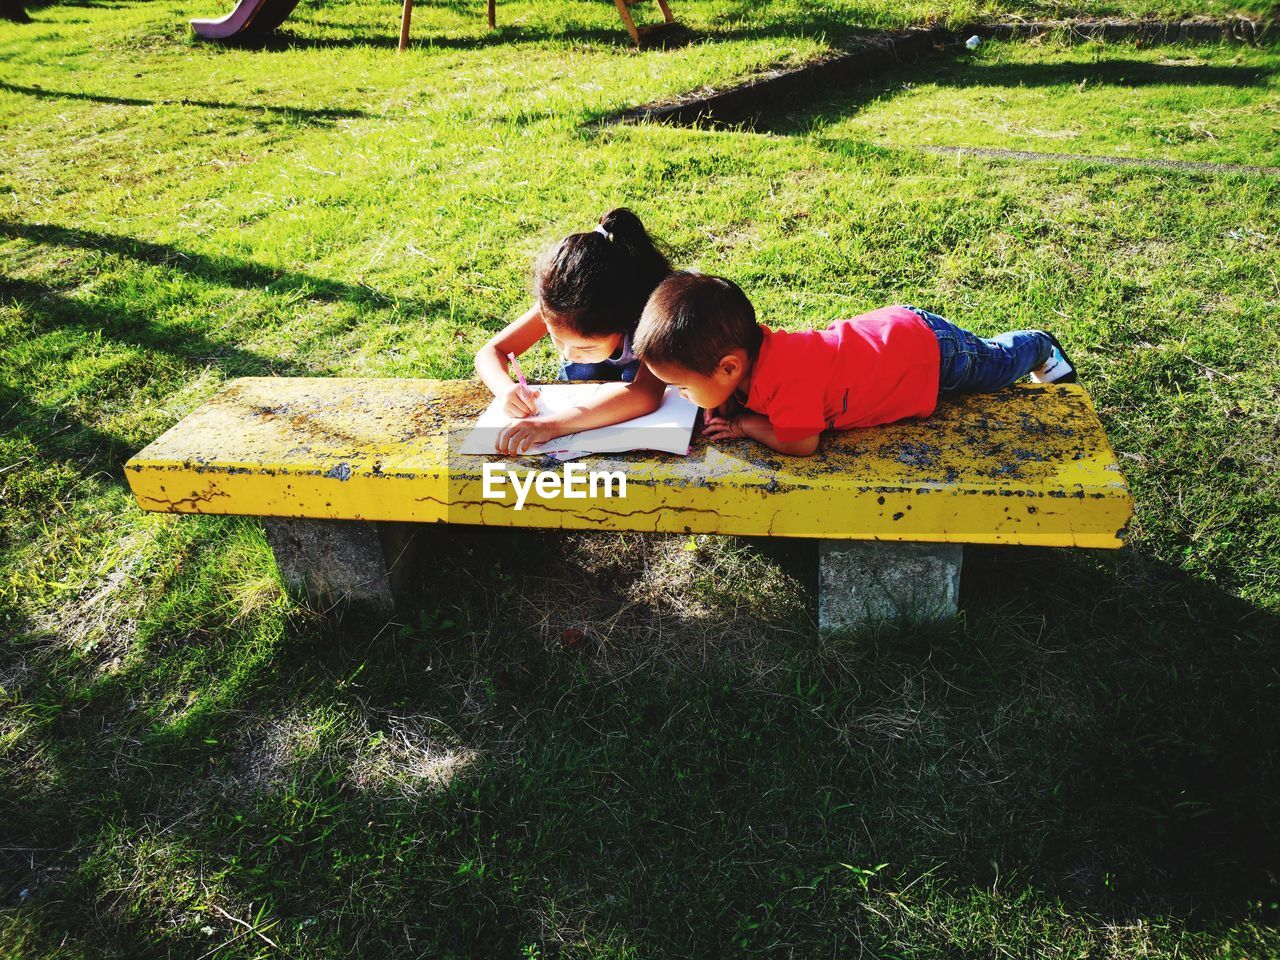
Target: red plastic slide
[250,20]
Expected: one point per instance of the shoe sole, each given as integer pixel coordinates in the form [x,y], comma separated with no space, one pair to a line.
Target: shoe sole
[1071,377]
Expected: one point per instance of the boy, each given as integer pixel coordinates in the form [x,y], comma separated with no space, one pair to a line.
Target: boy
[699,333]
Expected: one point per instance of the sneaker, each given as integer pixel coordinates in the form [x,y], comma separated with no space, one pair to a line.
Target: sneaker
[1057,369]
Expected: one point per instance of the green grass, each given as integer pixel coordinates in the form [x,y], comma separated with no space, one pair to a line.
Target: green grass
[625,746]
[1216,104]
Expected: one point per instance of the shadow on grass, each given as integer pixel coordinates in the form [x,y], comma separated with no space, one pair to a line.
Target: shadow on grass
[1119,73]
[53,309]
[312,113]
[85,4]
[169,351]
[1097,740]
[62,439]
[1169,786]
[227,271]
[55,435]
[950,70]
[61,434]
[340,37]
[816,21]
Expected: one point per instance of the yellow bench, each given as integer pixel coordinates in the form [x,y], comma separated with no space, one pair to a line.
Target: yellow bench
[1028,466]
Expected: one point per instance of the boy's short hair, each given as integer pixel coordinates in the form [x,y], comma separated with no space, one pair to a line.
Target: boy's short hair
[695,319]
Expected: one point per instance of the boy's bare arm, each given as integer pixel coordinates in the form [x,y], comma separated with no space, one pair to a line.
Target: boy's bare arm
[758,428]
[612,403]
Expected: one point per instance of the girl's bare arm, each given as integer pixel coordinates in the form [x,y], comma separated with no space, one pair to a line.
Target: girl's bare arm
[516,337]
[612,403]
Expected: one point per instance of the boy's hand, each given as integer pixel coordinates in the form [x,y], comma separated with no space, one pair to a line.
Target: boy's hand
[521,435]
[757,427]
[521,402]
[723,428]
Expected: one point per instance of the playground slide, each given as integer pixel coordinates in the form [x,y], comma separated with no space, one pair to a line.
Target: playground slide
[250,20]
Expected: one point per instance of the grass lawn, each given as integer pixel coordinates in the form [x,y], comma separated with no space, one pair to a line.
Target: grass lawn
[194,764]
[1202,104]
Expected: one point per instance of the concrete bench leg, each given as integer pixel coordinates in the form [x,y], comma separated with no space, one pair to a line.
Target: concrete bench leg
[343,562]
[861,582]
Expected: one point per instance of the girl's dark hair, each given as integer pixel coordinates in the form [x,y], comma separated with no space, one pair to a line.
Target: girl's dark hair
[598,283]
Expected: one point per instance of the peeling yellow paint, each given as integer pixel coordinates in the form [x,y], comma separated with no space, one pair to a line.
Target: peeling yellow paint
[1030,465]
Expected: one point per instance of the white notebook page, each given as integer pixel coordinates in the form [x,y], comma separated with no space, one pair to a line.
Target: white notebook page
[668,429]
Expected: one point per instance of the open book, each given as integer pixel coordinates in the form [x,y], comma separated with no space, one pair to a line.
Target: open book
[668,428]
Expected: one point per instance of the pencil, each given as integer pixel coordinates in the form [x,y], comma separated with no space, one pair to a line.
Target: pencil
[515,365]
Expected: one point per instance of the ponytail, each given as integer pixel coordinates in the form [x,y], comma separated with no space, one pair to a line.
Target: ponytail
[599,281]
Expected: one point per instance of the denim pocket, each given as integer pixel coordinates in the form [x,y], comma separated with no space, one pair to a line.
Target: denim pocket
[956,356]
[955,359]
[955,367]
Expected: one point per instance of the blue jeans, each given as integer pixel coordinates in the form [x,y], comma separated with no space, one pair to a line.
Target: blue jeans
[599,371]
[974,364]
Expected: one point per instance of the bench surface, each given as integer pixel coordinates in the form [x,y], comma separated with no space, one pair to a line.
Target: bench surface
[1030,465]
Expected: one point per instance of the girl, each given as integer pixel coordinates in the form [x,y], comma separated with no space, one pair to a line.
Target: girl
[590,289]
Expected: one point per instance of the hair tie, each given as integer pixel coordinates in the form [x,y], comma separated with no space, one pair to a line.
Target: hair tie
[603,232]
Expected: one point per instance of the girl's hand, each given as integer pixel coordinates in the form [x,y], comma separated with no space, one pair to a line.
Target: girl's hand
[521,402]
[521,435]
[723,428]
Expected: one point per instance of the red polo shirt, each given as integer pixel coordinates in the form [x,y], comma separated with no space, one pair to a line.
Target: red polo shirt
[879,367]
